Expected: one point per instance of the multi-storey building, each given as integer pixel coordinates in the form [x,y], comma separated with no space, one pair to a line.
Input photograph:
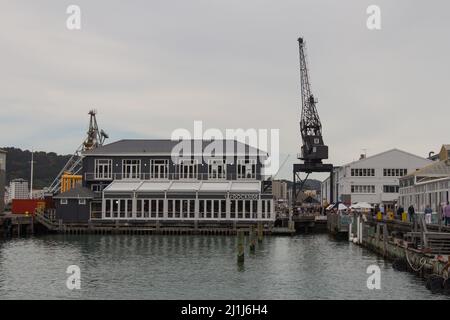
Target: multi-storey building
[18,189]
[373,179]
[429,185]
[280,189]
[2,179]
[167,180]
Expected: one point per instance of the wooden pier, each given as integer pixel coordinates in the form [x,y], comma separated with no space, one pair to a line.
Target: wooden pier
[16,225]
[153,227]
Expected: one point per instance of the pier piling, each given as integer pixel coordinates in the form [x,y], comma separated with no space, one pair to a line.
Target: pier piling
[240,246]
[252,237]
[260,232]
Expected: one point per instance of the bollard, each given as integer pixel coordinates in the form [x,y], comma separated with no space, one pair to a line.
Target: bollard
[260,232]
[240,247]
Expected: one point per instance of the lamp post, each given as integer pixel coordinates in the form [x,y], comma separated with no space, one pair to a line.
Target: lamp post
[31,175]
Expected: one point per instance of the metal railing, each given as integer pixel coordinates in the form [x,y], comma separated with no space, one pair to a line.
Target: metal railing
[90,176]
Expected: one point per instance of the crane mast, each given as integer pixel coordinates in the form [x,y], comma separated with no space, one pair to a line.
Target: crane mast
[313,149]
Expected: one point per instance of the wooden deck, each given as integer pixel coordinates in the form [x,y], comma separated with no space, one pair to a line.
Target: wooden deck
[16,225]
[150,227]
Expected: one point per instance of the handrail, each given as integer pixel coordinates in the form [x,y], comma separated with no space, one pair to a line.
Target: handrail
[91,176]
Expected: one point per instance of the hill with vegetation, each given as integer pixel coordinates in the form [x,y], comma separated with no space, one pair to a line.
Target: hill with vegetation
[47,165]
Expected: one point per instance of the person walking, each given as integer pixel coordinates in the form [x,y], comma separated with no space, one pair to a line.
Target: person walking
[411,213]
[447,214]
[428,212]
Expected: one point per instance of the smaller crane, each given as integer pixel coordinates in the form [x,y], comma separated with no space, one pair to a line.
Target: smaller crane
[94,139]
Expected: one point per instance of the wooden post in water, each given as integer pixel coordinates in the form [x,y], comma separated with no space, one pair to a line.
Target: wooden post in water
[240,246]
[385,239]
[252,236]
[260,232]
[32,225]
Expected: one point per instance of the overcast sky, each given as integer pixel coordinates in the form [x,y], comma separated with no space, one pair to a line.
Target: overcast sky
[150,67]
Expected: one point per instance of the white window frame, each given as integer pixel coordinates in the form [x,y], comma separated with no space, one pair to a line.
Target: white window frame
[213,169]
[245,163]
[192,169]
[164,166]
[63,201]
[131,175]
[81,201]
[107,163]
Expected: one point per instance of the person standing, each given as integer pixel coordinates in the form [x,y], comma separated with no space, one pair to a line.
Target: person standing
[428,213]
[411,213]
[400,212]
[447,214]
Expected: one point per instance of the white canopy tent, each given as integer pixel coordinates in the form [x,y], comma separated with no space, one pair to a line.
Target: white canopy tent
[361,205]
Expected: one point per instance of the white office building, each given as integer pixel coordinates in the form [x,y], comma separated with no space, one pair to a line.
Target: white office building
[18,189]
[373,179]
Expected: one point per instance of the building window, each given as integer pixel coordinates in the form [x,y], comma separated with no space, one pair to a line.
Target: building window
[103,169]
[131,169]
[82,201]
[97,187]
[159,169]
[362,189]
[188,169]
[390,189]
[216,169]
[246,168]
[63,201]
[362,172]
[394,172]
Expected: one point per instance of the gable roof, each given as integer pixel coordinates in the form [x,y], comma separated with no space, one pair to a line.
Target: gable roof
[76,193]
[166,146]
[435,169]
[385,152]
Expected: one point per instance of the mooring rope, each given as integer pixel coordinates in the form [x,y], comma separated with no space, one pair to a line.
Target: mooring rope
[422,262]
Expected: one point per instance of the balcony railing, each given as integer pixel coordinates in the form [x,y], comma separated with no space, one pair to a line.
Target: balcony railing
[172,176]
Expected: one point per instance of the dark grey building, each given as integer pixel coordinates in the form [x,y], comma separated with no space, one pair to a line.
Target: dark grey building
[190,180]
[74,205]
[2,179]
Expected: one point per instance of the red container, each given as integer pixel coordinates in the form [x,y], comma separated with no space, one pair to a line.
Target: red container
[21,206]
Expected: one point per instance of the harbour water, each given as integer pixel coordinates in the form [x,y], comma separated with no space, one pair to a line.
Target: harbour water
[197,267]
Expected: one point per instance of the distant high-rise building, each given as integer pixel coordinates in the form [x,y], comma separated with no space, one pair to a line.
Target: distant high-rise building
[18,189]
[2,179]
[280,190]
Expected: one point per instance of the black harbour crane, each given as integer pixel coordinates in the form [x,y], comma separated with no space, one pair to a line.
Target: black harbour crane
[313,149]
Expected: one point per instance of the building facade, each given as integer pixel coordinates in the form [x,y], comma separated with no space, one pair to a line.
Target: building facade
[373,179]
[280,190]
[18,189]
[429,185]
[2,179]
[166,180]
